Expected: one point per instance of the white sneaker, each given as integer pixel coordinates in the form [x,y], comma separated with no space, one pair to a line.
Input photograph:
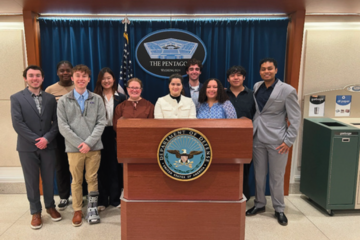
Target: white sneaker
[63,204]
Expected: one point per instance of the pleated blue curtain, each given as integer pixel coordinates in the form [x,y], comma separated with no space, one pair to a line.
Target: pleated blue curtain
[95,43]
[98,43]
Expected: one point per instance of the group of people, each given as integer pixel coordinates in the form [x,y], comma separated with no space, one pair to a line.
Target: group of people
[77,128]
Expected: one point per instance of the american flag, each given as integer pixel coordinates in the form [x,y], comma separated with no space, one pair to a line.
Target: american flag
[126,71]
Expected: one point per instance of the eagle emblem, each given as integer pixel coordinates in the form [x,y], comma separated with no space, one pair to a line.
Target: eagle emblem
[184,157]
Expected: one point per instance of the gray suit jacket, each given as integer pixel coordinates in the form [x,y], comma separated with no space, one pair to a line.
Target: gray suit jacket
[270,124]
[29,124]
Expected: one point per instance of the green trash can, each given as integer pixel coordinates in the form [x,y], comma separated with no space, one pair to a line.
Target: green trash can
[329,163]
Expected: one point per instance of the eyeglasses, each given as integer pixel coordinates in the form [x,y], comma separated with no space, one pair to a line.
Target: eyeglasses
[134,88]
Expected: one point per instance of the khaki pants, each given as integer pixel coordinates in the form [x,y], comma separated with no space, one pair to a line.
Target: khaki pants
[77,162]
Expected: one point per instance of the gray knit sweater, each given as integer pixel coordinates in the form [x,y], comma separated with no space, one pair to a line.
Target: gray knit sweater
[77,127]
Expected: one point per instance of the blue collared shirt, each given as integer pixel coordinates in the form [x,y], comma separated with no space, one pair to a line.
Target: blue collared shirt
[194,93]
[263,94]
[81,99]
[218,110]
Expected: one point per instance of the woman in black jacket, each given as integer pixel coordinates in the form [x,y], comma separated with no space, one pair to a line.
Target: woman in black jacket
[110,174]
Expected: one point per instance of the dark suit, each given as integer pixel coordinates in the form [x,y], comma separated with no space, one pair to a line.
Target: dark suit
[187,89]
[110,171]
[30,125]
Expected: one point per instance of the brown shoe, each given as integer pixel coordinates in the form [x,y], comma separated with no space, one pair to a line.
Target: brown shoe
[77,219]
[55,215]
[36,222]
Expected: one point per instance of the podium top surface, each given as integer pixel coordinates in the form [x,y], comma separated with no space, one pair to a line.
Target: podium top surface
[231,139]
[185,123]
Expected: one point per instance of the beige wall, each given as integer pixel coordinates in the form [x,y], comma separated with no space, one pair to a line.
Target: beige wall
[330,60]
[12,63]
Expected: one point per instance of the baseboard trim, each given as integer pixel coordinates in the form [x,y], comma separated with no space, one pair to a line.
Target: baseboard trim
[12,188]
[11,175]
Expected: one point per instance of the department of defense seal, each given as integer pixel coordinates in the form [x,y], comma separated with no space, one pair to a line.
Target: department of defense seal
[184,154]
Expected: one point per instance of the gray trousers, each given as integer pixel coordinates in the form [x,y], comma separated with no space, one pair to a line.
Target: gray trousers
[266,158]
[35,163]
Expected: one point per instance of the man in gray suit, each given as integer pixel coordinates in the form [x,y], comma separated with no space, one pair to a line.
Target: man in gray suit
[33,114]
[276,102]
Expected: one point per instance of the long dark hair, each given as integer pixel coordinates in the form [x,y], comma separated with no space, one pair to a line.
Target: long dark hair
[99,88]
[221,96]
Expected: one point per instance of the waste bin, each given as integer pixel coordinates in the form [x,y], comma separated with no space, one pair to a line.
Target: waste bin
[329,163]
[355,122]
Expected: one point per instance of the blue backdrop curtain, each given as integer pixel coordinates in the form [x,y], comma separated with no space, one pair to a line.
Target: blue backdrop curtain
[98,43]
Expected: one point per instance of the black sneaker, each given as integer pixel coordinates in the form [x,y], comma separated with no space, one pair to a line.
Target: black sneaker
[63,204]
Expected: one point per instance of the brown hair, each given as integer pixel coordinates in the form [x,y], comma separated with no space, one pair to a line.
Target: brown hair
[81,68]
[193,61]
[33,67]
[134,80]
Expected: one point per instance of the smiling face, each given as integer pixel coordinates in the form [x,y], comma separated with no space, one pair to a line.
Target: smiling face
[107,81]
[268,71]
[175,87]
[236,80]
[81,80]
[64,73]
[212,90]
[193,72]
[34,79]
[134,90]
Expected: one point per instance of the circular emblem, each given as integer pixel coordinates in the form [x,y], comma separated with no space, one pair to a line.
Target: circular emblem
[184,154]
[165,52]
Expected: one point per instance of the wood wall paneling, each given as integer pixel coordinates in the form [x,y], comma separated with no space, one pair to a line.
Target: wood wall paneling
[292,69]
[32,37]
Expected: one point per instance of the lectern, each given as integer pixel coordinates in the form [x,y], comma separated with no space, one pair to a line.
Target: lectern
[155,206]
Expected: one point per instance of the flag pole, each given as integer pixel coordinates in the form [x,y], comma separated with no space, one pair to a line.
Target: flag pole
[125,68]
[125,21]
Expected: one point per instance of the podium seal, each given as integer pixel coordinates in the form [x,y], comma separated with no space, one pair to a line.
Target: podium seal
[184,154]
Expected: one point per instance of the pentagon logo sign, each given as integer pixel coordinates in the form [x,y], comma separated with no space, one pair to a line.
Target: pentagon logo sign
[165,52]
[184,154]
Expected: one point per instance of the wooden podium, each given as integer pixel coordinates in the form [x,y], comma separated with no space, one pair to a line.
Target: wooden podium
[156,207]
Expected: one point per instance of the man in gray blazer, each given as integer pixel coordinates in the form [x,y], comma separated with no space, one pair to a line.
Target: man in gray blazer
[276,102]
[33,114]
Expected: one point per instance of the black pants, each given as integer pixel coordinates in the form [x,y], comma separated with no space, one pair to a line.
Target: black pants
[246,188]
[62,168]
[63,175]
[110,174]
